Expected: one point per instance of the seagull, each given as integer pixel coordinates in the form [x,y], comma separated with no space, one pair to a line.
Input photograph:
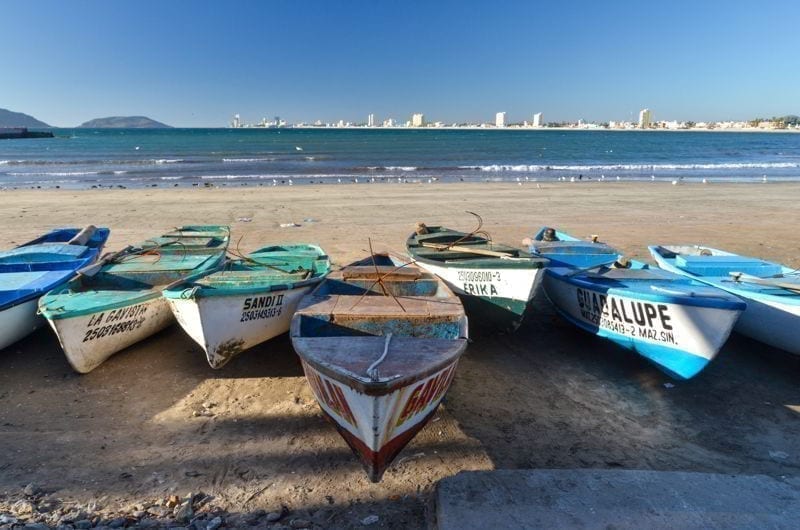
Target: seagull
[298,148]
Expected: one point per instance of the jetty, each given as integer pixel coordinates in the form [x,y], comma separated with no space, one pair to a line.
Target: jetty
[7,133]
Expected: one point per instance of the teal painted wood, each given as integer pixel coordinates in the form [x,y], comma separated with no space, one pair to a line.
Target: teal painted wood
[271,268]
[141,273]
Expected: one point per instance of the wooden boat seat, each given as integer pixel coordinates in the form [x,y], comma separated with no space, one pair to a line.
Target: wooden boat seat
[154,262]
[387,272]
[573,247]
[722,265]
[629,274]
[379,306]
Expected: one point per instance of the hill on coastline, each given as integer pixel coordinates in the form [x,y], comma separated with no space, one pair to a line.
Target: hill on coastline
[10,118]
[124,122]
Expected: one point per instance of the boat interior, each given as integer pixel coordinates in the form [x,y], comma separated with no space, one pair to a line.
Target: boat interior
[710,262]
[406,302]
[441,244]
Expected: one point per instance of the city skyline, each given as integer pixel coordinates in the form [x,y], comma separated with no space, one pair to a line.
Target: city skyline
[197,64]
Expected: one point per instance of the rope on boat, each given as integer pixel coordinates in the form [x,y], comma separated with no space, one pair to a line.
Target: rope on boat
[372,371]
[379,280]
[240,255]
[476,231]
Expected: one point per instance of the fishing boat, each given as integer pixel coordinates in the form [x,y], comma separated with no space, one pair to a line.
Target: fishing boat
[770,290]
[677,323]
[117,302]
[33,268]
[249,301]
[496,282]
[379,344]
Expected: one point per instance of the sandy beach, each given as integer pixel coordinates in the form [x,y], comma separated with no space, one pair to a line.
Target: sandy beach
[155,421]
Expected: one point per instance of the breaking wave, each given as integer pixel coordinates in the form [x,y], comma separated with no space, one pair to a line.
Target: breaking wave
[530,168]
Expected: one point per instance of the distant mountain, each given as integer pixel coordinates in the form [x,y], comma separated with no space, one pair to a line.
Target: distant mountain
[124,122]
[18,119]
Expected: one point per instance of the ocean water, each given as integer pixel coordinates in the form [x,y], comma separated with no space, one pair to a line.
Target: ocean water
[80,158]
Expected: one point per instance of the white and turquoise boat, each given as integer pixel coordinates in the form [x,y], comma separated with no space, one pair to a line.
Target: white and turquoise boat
[33,268]
[249,301]
[117,302]
[677,323]
[771,290]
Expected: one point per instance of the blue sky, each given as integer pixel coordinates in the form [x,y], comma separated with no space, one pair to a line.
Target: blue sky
[196,63]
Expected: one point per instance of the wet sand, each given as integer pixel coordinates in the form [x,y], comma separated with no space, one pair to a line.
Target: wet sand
[155,420]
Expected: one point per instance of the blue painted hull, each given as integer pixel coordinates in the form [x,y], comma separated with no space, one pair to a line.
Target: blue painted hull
[676,323]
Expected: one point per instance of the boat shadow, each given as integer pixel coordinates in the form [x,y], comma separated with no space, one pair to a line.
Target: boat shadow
[552,396]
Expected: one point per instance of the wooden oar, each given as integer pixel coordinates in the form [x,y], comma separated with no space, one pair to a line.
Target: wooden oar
[770,282]
[94,268]
[468,250]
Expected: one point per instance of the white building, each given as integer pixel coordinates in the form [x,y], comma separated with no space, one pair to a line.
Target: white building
[645,118]
[371,120]
[418,120]
[237,121]
[388,123]
[500,119]
[538,121]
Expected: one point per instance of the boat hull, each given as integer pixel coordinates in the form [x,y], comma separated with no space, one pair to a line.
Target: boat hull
[378,426]
[771,322]
[224,326]
[679,339]
[19,321]
[493,298]
[766,319]
[88,340]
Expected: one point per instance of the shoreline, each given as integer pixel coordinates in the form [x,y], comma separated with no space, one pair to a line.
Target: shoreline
[362,180]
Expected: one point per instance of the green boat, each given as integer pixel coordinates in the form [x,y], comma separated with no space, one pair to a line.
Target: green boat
[249,301]
[495,282]
[117,302]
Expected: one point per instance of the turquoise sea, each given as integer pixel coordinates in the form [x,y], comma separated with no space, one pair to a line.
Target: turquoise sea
[79,158]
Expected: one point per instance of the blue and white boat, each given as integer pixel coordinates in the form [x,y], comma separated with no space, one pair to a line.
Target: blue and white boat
[771,290]
[677,323]
[33,268]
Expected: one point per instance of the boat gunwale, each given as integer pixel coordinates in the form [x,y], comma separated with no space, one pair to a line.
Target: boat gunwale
[91,255]
[730,302]
[755,292]
[179,289]
[531,261]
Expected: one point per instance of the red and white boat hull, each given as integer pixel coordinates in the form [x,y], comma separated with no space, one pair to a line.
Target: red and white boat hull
[378,427]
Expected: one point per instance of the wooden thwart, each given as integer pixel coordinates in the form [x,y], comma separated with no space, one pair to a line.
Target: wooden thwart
[468,250]
[387,272]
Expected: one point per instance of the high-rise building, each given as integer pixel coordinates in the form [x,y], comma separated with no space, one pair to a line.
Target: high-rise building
[418,120]
[237,121]
[371,120]
[645,118]
[500,119]
[538,121]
